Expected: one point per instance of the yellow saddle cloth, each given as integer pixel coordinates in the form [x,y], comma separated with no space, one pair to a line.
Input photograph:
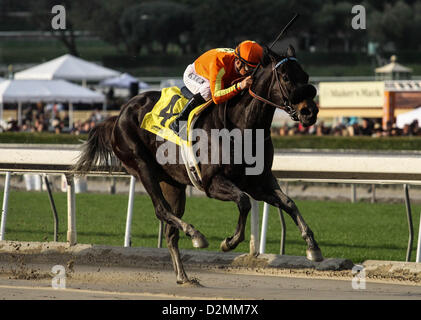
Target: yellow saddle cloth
[164,113]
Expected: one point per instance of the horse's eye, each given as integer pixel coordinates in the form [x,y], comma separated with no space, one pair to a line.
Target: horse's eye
[285,78]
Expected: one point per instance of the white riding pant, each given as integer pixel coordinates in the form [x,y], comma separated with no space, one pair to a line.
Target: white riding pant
[196,83]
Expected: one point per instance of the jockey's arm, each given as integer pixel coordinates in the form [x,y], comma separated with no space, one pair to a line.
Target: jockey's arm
[219,93]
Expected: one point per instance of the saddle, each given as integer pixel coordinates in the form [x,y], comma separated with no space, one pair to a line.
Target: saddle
[172,101]
[158,120]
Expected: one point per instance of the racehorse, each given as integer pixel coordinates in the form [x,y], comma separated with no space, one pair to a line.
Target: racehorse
[279,82]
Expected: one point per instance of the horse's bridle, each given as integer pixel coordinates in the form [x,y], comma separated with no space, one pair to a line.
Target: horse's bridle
[286,106]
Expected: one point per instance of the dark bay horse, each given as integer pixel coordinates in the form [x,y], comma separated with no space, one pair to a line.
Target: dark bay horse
[279,81]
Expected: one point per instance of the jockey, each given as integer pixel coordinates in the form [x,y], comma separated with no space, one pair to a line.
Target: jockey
[211,76]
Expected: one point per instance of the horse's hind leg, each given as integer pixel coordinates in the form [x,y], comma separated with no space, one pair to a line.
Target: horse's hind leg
[176,197]
[168,208]
[223,189]
[163,209]
[151,174]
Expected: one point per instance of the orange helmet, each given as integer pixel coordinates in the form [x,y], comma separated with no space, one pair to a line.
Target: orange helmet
[249,52]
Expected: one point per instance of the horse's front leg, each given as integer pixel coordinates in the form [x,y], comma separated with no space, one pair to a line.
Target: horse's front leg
[274,196]
[223,189]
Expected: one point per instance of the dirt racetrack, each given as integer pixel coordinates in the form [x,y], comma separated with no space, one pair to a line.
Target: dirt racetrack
[89,282]
[99,272]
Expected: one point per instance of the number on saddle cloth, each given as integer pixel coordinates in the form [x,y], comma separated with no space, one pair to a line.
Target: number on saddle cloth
[168,112]
[163,113]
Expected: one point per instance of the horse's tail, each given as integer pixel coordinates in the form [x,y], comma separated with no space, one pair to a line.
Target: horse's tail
[97,150]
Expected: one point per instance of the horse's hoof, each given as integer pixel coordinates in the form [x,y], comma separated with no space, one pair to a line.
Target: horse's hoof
[225,246]
[314,255]
[200,242]
[190,283]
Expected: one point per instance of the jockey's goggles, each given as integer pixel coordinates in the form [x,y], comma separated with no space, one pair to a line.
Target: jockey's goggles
[247,68]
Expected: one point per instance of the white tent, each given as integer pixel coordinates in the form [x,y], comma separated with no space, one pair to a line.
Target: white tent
[33,91]
[67,67]
[123,81]
[408,117]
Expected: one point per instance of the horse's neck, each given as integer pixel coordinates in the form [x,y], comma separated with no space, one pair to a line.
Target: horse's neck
[250,113]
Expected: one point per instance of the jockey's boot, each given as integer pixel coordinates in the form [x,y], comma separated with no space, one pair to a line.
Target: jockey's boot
[195,101]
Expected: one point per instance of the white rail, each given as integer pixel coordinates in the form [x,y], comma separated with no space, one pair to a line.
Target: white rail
[303,165]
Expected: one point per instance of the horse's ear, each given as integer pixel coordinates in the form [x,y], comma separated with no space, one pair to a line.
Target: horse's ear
[290,51]
[266,56]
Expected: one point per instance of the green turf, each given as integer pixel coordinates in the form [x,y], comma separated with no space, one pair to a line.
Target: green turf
[41,137]
[346,143]
[357,231]
[284,142]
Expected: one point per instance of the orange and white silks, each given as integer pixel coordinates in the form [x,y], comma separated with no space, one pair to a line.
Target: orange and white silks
[217,65]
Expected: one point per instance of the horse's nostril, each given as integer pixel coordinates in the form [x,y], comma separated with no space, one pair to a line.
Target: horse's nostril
[305,112]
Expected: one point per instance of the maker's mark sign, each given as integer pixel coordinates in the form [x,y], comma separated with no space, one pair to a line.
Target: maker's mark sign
[351,94]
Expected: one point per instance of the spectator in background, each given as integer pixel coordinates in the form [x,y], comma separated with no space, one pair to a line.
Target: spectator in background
[351,131]
[293,130]
[27,126]
[92,124]
[96,116]
[414,128]
[53,108]
[77,126]
[406,131]
[66,119]
[59,128]
[283,131]
[388,130]
[312,129]
[377,131]
[55,124]
[395,131]
[338,130]
[40,125]
[12,125]
[85,127]
[321,129]
[28,114]
[366,128]
[110,94]
[301,130]
[39,110]
[356,129]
